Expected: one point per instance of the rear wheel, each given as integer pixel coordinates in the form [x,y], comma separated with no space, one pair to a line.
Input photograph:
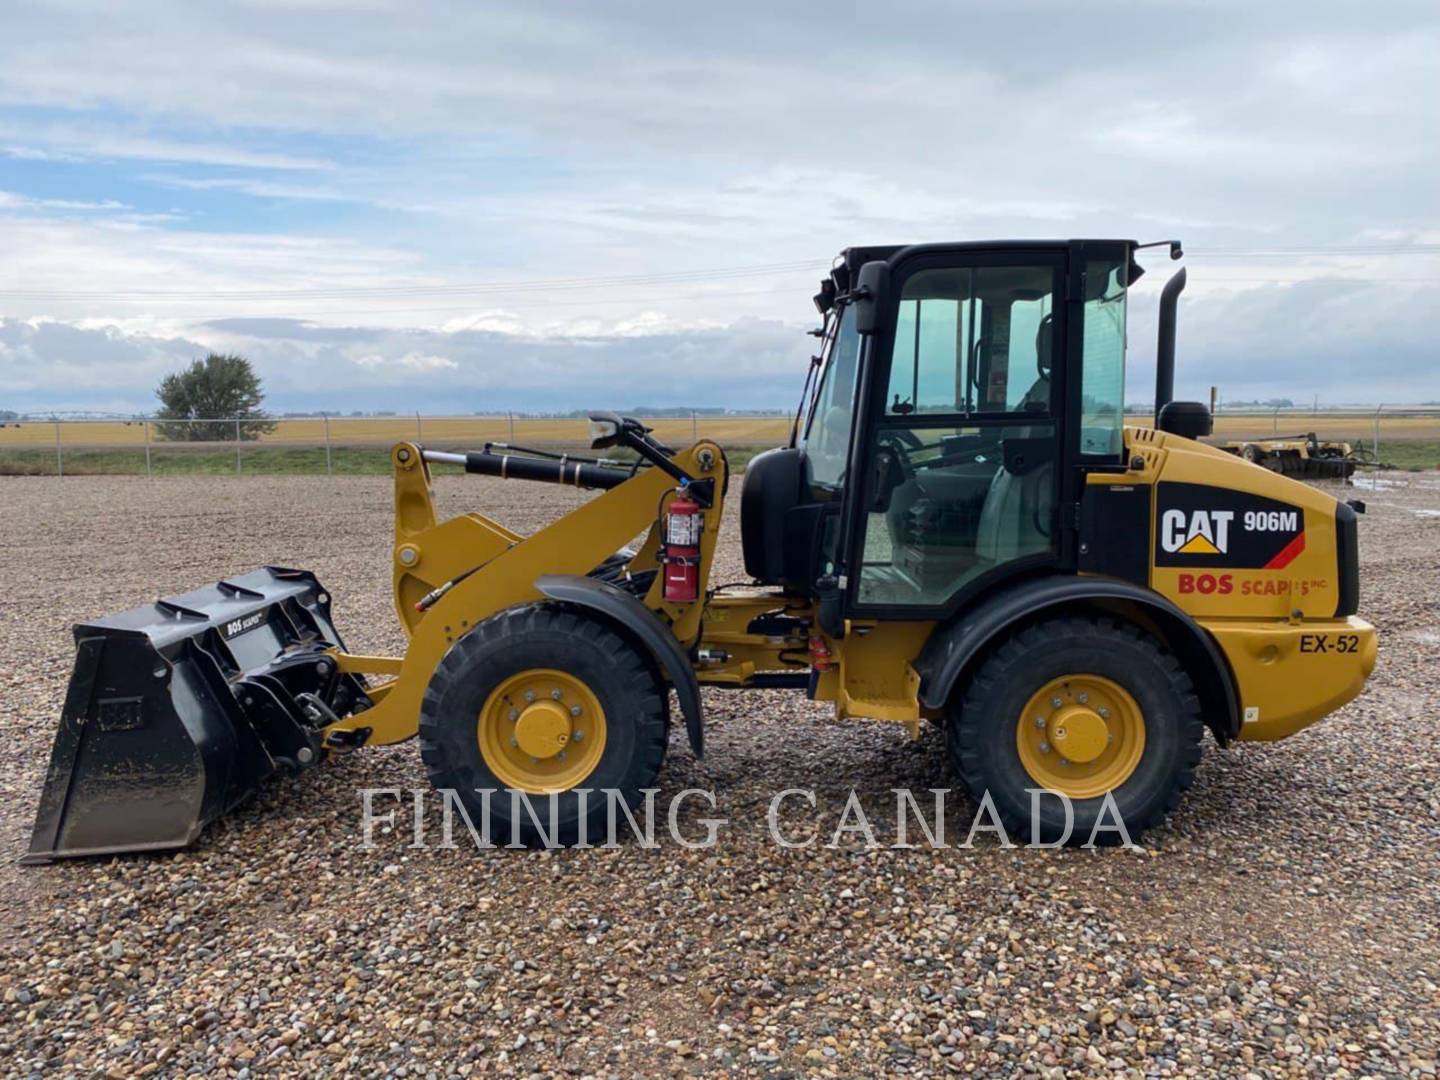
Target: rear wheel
[1081,707]
[540,700]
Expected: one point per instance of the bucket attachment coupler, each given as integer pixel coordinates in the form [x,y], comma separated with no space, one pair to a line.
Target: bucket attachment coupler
[180,709]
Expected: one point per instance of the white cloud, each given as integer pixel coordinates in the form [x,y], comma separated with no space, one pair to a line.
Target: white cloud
[266,189]
[69,141]
[414,361]
[9,200]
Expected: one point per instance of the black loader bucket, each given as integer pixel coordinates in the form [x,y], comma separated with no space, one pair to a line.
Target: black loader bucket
[180,709]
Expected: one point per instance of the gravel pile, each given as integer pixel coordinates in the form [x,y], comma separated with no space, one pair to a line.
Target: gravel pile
[1282,924]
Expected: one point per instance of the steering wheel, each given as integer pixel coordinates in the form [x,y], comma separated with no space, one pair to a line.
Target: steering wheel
[900,438]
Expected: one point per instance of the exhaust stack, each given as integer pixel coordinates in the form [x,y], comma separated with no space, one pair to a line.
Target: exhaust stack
[1165,346]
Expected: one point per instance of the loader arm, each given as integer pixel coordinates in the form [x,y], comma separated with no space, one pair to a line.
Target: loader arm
[488,568]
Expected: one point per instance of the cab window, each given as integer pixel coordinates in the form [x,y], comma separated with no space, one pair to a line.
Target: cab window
[1102,368]
[827,434]
[973,340]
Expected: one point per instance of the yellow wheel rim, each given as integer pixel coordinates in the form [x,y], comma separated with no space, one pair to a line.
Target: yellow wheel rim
[541,730]
[1081,735]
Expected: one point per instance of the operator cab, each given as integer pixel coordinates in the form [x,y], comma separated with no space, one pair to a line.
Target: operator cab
[960,394]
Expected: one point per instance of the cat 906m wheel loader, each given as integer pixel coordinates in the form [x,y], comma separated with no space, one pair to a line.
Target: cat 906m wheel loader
[961,530]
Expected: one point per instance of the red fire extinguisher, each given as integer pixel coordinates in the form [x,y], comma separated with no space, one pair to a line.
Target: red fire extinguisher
[680,552]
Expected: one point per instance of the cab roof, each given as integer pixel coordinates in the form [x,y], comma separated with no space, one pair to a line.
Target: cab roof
[855,257]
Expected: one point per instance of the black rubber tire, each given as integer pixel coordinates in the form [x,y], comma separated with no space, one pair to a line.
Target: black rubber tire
[545,636]
[981,733]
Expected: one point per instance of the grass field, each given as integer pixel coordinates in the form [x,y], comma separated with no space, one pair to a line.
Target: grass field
[385,431]
[358,446]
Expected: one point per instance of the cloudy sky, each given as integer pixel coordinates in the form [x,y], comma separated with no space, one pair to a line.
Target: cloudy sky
[455,208]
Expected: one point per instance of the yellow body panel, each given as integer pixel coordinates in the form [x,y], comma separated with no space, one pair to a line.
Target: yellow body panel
[873,674]
[1290,675]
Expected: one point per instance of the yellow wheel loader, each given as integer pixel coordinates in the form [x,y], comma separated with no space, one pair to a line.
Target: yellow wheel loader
[961,530]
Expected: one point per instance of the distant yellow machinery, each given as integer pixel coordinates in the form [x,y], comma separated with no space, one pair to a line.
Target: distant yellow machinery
[1303,455]
[960,531]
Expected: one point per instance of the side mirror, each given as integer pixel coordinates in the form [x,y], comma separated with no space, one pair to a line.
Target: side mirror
[604,430]
[1188,419]
[871,289]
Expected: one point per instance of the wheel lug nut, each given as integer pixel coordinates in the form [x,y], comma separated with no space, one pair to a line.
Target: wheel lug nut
[1082,697]
[1039,721]
[514,742]
[1055,703]
[577,736]
[529,695]
[561,755]
[514,714]
[574,710]
[555,695]
[1104,713]
[1044,748]
[1064,761]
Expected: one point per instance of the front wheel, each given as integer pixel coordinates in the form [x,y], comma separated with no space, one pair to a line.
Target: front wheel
[540,700]
[1082,707]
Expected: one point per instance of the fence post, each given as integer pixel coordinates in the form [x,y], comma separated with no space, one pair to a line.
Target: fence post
[694,427]
[419,434]
[1376,443]
[59,454]
[510,424]
[1276,429]
[147,448]
[329,467]
[237,446]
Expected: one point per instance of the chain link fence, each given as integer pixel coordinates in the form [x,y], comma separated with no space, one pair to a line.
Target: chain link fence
[1406,436]
[326,444]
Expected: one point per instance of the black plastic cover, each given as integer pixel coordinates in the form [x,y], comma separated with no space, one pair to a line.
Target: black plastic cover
[1188,419]
[1115,531]
[773,483]
[1347,558]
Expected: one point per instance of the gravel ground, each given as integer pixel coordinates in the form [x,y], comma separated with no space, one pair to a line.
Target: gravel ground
[1282,924]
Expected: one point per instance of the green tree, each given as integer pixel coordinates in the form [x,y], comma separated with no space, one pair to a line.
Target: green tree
[220,387]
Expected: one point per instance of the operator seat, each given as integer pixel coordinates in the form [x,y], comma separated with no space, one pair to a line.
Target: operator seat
[1018,516]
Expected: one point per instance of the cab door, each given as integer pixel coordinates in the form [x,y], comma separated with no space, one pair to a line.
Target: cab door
[959,451]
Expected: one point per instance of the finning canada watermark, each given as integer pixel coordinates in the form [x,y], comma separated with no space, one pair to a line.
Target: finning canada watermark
[490,818]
